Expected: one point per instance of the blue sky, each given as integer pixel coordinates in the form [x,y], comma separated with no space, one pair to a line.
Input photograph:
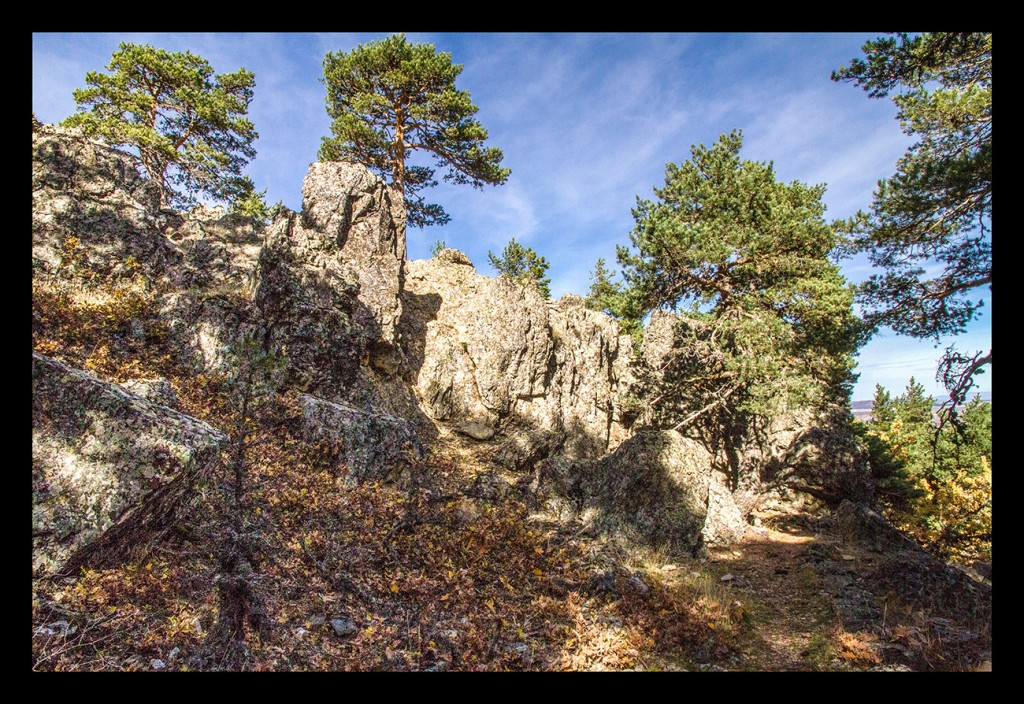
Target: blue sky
[587,123]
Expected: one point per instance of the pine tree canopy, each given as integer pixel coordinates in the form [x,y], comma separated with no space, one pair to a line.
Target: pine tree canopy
[187,124]
[388,98]
[748,257]
[523,264]
[930,225]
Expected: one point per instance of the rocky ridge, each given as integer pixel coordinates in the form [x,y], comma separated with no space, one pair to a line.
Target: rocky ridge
[388,353]
[547,377]
[396,367]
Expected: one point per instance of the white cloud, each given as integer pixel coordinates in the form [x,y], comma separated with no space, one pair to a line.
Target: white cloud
[587,123]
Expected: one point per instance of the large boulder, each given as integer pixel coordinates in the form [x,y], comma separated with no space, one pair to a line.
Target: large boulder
[111,470]
[657,488]
[494,352]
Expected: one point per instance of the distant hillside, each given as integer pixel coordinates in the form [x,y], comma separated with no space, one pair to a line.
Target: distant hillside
[862,409]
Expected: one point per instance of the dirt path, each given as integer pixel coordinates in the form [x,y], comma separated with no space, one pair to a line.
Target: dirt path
[776,605]
[791,622]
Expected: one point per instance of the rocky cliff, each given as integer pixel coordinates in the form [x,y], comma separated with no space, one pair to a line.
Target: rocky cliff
[91,195]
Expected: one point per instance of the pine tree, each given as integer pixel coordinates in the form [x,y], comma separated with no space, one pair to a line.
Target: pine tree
[187,124]
[882,410]
[523,264]
[603,290]
[935,213]
[748,257]
[388,98]
[610,297]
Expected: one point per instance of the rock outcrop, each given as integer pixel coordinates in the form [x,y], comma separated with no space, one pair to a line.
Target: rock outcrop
[657,488]
[92,210]
[349,211]
[547,375]
[220,250]
[317,288]
[385,349]
[110,470]
[809,451]
[306,296]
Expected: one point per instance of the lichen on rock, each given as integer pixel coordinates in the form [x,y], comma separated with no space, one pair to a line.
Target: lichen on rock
[374,445]
[110,470]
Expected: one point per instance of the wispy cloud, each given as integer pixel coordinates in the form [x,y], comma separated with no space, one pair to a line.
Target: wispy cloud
[587,123]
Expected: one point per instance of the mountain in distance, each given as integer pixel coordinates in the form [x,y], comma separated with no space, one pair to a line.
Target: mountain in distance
[862,409]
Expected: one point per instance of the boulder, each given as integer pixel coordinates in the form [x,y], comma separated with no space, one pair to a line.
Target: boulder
[375,446]
[111,470]
[476,430]
[657,488]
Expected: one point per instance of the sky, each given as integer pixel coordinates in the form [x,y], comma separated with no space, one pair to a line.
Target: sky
[587,123]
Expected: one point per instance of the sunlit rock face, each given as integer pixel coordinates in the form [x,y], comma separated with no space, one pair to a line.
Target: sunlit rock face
[350,212]
[93,196]
[110,469]
[548,376]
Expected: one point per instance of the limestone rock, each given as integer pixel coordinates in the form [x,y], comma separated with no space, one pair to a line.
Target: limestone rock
[453,256]
[375,445]
[817,455]
[205,330]
[220,250]
[328,279]
[659,337]
[343,627]
[476,430]
[110,469]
